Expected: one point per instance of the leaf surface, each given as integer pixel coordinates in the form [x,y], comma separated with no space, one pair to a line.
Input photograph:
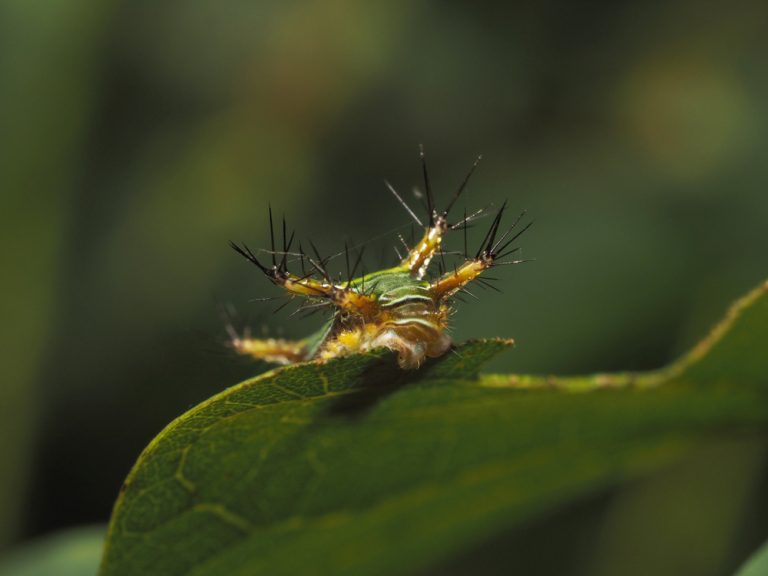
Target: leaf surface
[356,467]
[757,564]
[70,552]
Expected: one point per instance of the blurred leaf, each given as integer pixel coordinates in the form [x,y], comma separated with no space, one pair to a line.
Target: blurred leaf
[73,552]
[44,123]
[330,468]
[757,564]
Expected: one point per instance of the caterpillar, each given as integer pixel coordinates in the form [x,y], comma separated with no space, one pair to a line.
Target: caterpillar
[399,308]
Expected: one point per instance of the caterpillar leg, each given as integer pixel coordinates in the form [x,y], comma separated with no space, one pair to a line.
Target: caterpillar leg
[418,258]
[451,282]
[274,350]
[491,250]
[323,289]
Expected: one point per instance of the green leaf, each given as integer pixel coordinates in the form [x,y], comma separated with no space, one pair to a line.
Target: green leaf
[757,564]
[72,552]
[46,121]
[355,467]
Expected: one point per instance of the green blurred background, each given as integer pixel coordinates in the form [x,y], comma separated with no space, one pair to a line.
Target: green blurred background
[137,138]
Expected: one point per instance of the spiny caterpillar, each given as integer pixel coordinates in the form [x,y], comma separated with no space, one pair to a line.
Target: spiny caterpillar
[395,308]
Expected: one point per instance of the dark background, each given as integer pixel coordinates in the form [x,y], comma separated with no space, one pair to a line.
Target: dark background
[137,138]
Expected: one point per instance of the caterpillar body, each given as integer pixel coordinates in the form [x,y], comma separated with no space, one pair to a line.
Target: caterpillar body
[398,308]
